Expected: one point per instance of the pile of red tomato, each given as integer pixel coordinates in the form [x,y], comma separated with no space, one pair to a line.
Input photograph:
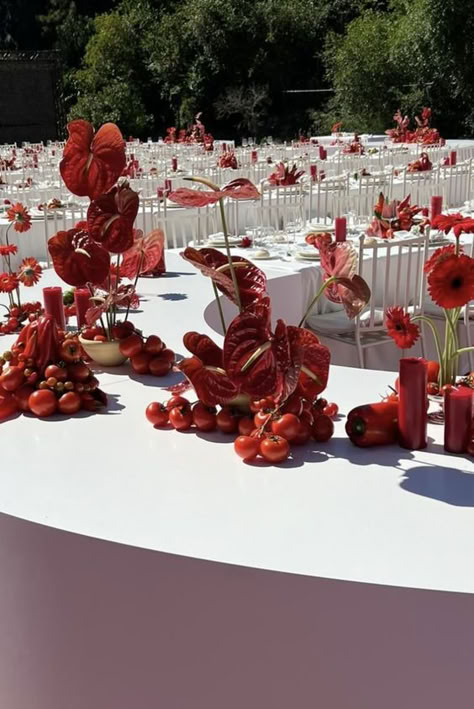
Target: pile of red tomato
[266,431]
[17,314]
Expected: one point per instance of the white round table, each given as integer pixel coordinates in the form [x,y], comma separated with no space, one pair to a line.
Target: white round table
[147,568]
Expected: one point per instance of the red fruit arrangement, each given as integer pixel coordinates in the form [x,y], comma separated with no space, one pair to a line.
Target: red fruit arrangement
[44,373]
[265,432]
[17,314]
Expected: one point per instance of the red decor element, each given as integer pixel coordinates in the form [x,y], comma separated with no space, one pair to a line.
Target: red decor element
[452,158]
[373,424]
[92,163]
[254,156]
[457,222]
[77,259]
[110,218]
[413,417]
[340,228]
[339,260]
[53,305]
[174,163]
[145,255]
[423,164]
[422,133]
[313,171]
[457,419]
[322,152]
[436,206]
[82,303]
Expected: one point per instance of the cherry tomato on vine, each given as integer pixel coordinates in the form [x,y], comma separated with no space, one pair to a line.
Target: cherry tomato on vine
[43,402]
[177,400]
[246,425]
[157,414]
[168,354]
[320,403]
[12,378]
[274,449]
[159,366]
[69,403]
[323,428]
[204,417]
[131,345]
[261,418]
[59,373]
[227,421]
[432,388]
[181,417]
[247,447]
[153,345]
[303,435]
[286,426]
[293,405]
[331,410]
[140,362]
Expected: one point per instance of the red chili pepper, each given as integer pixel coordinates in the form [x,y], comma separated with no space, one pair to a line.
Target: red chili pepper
[373,424]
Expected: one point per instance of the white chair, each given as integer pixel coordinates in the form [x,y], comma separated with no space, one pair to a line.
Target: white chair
[327,198]
[394,272]
[281,204]
[455,184]
[183,226]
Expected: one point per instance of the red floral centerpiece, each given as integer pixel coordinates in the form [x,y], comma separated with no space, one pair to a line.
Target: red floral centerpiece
[228,159]
[423,164]
[195,134]
[423,133]
[391,217]
[285,176]
[27,274]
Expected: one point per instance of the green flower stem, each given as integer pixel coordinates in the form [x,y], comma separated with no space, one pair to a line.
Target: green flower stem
[219,306]
[316,298]
[461,351]
[142,256]
[428,321]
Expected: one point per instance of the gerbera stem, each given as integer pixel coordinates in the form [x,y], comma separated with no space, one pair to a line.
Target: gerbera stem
[428,321]
[316,298]
[219,307]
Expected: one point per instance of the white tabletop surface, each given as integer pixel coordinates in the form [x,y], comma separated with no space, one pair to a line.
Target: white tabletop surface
[386,516]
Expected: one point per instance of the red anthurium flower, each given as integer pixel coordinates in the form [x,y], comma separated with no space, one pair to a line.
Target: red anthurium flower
[92,163]
[339,260]
[240,188]
[211,384]
[204,348]
[110,218]
[315,360]
[77,259]
[145,254]
[259,362]
[186,197]
[213,263]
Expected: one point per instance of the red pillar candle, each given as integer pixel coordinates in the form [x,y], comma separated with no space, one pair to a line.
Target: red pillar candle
[425,212]
[436,205]
[254,156]
[174,164]
[322,152]
[224,147]
[412,413]
[168,187]
[340,228]
[457,419]
[53,304]
[452,157]
[160,192]
[82,303]
[313,171]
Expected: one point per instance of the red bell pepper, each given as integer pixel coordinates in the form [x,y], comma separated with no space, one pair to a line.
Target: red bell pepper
[373,424]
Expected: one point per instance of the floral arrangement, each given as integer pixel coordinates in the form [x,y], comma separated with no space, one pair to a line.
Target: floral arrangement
[228,159]
[391,217]
[450,276]
[263,379]
[355,146]
[27,274]
[423,164]
[284,176]
[195,134]
[423,133]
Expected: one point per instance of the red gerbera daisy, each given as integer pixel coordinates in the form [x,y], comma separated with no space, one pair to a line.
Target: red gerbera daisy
[8,282]
[438,256]
[451,282]
[29,272]
[457,222]
[399,326]
[8,249]
[20,216]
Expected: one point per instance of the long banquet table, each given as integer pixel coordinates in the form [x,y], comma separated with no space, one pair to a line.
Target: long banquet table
[147,568]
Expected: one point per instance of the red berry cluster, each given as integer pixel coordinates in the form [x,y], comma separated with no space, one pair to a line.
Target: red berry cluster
[17,314]
[266,431]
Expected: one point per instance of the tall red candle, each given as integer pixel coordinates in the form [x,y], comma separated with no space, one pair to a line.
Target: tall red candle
[168,186]
[174,164]
[457,419]
[53,304]
[453,157]
[313,171]
[322,152]
[254,156]
[82,303]
[436,205]
[340,228]
[412,413]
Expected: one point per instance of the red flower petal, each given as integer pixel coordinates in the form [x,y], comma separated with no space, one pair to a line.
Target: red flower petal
[110,218]
[211,384]
[145,254]
[241,188]
[315,361]
[77,259]
[193,198]
[203,347]
[92,163]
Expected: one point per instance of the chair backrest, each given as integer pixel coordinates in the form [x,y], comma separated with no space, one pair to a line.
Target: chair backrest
[328,198]
[370,187]
[394,271]
[455,183]
[281,204]
[420,185]
[182,226]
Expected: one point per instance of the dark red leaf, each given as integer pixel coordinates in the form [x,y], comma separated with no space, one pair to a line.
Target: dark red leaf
[315,360]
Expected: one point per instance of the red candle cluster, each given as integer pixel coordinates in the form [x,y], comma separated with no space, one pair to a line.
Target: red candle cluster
[457,419]
[53,305]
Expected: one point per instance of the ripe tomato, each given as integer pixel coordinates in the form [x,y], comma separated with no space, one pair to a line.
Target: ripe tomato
[331,410]
[443,390]
[304,434]
[262,418]
[140,362]
[69,403]
[12,378]
[181,417]
[247,447]
[90,332]
[204,417]
[323,428]
[320,404]
[246,425]
[293,405]
[59,373]
[70,350]
[8,406]
[274,448]
[159,366]
[77,372]
[177,400]
[43,402]
[157,414]
[168,354]
[131,345]
[22,395]
[433,370]
[259,404]
[433,388]
[120,331]
[286,426]
[153,345]
[227,421]
[100,338]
